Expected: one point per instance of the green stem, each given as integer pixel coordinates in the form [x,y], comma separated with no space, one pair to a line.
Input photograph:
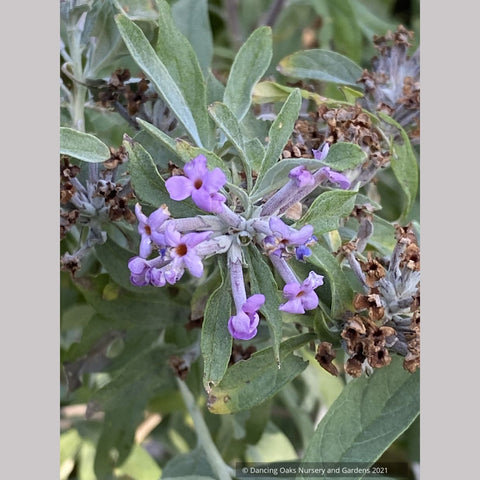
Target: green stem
[203,434]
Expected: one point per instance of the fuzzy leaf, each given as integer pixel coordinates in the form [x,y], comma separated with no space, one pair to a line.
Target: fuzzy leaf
[251,62]
[343,156]
[262,280]
[225,119]
[342,294]
[83,146]
[327,210]
[281,130]
[250,382]
[156,71]
[370,413]
[404,165]
[268,91]
[216,341]
[177,54]
[322,65]
[156,133]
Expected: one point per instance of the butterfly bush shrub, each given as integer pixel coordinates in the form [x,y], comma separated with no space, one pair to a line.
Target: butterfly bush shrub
[233,244]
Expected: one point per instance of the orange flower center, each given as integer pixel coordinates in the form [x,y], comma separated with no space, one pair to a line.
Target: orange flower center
[181,250]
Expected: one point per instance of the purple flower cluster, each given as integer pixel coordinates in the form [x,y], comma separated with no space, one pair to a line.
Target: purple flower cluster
[302,182]
[170,246]
[199,183]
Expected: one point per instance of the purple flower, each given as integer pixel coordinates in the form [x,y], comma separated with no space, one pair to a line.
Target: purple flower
[301,297]
[301,252]
[145,272]
[243,325]
[321,154]
[148,228]
[139,271]
[183,253]
[284,236]
[199,183]
[302,176]
[336,177]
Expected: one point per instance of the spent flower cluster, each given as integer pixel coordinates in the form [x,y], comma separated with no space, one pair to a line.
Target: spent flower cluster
[170,246]
[392,304]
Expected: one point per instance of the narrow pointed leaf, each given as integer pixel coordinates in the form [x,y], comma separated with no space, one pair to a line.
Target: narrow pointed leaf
[156,71]
[225,119]
[162,137]
[342,293]
[262,281]
[251,62]
[322,65]
[177,54]
[216,341]
[404,165]
[281,130]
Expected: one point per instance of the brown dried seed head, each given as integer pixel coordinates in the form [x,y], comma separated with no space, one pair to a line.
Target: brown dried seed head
[373,270]
[381,358]
[353,366]
[325,355]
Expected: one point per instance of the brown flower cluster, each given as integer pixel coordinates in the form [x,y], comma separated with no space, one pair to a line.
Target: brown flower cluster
[118,92]
[365,340]
[116,195]
[352,124]
[393,85]
[387,314]
[68,218]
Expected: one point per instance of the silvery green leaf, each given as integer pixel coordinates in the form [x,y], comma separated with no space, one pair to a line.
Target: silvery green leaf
[318,64]
[156,71]
[251,62]
[216,341]
[82,146]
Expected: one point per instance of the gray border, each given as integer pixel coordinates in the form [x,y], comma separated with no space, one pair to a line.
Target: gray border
[449,185]
[30,239]
[30,246]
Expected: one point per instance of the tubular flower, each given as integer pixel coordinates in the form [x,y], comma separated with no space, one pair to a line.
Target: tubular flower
[199,183]
[148,228]
[284,237]
[301,297]
[302,176]
[322,153]
[183,253]
[243,325]
[336,177]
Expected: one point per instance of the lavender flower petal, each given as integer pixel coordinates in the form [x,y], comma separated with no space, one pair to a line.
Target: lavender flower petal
[179,187]
[336,177]
[322,153]
[302,176]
